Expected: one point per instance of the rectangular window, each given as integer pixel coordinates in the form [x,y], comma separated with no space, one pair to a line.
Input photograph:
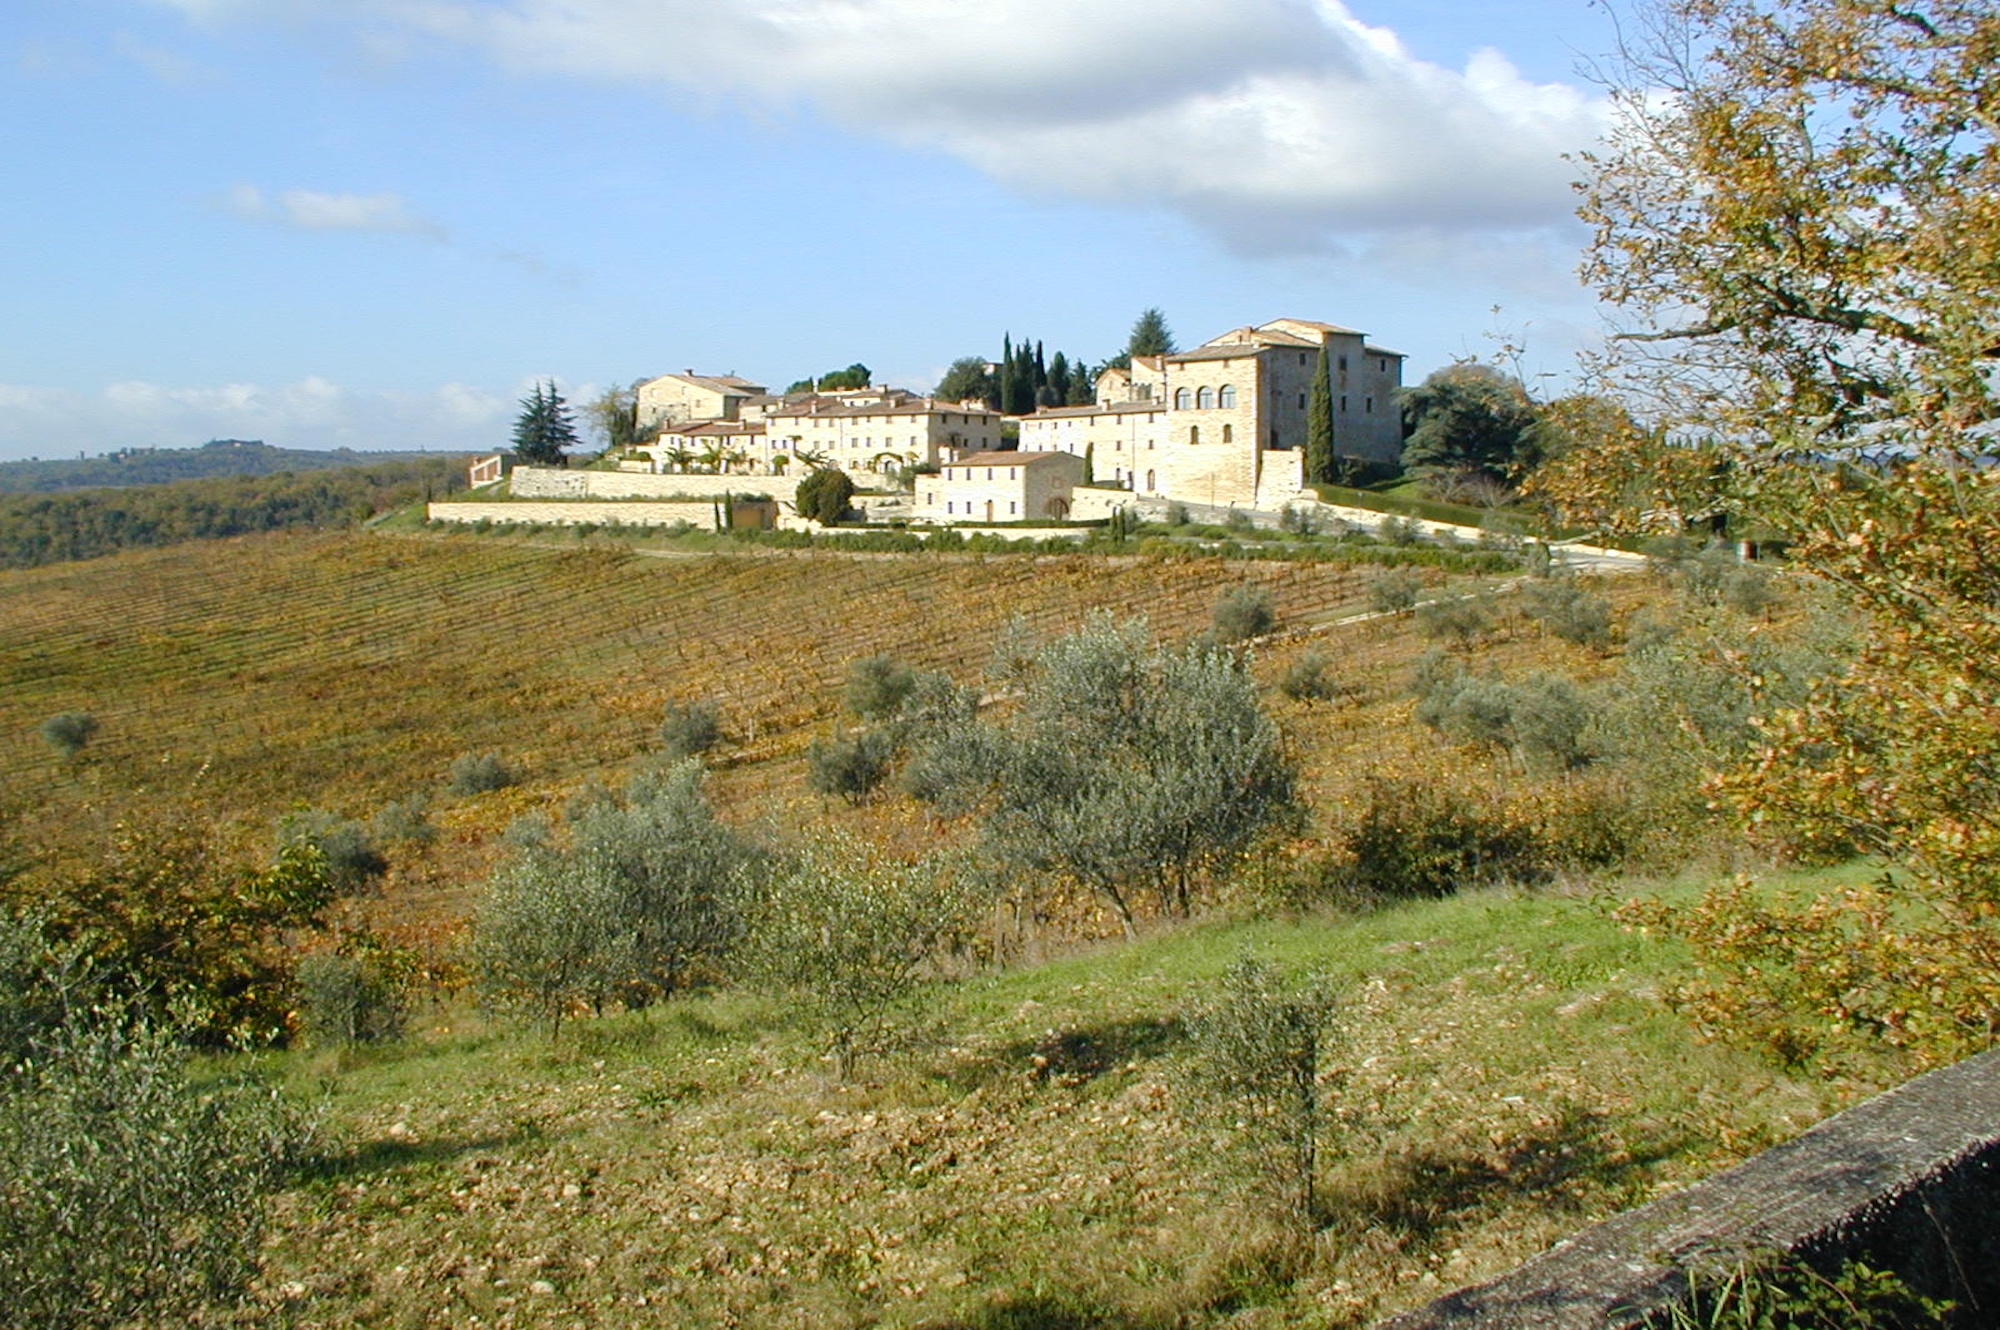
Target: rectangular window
[989,473]
[1343,402]
[1368,405]
[1302,401]
[1011,509]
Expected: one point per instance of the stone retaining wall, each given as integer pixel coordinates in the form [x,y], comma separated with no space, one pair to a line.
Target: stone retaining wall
[1909,1179]
[577,512]
[545,482]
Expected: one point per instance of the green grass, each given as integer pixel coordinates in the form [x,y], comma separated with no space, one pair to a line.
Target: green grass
[1503,1075]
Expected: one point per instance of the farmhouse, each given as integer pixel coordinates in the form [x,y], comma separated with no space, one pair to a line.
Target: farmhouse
[1001,487]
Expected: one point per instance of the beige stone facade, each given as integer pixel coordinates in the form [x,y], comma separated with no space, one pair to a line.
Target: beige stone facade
[1225,422]
[875,432]
[1001,487]
[676,399]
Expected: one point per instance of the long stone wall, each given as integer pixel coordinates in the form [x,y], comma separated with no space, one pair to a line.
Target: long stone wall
[576,512]
[543,482]
[1909,1179]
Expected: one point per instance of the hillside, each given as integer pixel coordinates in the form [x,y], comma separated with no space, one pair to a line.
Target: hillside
[157,466]
[1502,1069]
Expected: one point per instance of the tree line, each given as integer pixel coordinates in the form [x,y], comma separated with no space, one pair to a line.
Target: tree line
[37,529]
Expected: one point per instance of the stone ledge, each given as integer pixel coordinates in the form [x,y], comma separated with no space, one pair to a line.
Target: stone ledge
[1909,1178]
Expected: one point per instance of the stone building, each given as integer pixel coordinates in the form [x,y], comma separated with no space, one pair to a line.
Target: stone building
[1006,486]
[1224,423]
[677,399]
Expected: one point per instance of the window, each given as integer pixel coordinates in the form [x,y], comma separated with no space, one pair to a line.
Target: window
[1194,434]
[1302,357]
[1227,433]
[1013,473]
[1343,401]
[1382,365]
[1011,508]
[1302,401]
[1368,405]
[1149,481]
[1183,399]
[989,473]
[1226,399]
[1343,364]
[1205,399]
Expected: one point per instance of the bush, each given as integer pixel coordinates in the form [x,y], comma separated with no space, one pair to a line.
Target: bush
[68,732]
[348,853]
[1308,679]
[1394,590]
[406,820]
[1399,530]
[852,941]
[1568,611]
[1244,612]
[131,1193]
[478,774]
[1460,620]
[691,728]
[877,685]
[1257,1049]
[824,495]
[350,999]
[1415,839]
[852,766]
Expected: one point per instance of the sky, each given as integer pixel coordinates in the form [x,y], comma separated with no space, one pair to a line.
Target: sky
[376,223]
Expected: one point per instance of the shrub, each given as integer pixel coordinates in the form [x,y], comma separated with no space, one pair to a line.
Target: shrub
[691,728]
[1258,1049]
[547,937]
[348,853]
[350,999]
[1568,611]
[1237,521]
[877,685]
[1309,679]
[131,1193]
[1177,514]
[1394,590]
[1415,839]
[853,941]
[68,732]
[824,495]
[1459,620]
[852,766]
[406,820]
[1399,530]
[1244,612]
[478,774]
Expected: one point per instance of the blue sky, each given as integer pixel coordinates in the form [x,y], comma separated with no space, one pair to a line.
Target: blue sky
[374,223]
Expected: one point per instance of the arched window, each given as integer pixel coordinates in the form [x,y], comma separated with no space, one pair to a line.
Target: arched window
[1149,482]
[1227,398]
[1183,399]
[1205,399]
[1194,434]
[1227,433]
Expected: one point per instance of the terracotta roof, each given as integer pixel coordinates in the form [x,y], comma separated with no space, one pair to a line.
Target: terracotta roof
[720,383]
[1224,351]
[998,457]
[922,406]
[1369,350]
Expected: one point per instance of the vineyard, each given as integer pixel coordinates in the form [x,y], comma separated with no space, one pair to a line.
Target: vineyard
[341,671]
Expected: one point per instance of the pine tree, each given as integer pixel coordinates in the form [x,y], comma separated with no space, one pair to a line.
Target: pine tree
[544,431]
[1319,423]
[1150,335]
[1082,384]
[1059,379]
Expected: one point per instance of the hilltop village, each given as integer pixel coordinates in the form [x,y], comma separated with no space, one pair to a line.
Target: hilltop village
[1221,425]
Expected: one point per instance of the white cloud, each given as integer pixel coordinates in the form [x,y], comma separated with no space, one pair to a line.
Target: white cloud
[317,210]
[1279,125]
[312,412]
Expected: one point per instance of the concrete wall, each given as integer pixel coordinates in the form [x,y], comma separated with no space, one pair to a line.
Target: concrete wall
[1909,1179]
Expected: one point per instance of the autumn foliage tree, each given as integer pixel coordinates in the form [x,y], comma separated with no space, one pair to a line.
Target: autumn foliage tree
[1796,216]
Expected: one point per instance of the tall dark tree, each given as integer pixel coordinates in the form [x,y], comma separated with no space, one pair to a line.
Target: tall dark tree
[1006,403]
[1150,335]
[544,431]
[1469,418]
[1059,380]
[1082,383]
[967,380]
[1319,423]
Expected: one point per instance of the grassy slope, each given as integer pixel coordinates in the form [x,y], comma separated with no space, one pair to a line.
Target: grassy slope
[1506,1074]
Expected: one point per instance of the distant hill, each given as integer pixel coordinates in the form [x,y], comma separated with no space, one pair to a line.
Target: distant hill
[154,466]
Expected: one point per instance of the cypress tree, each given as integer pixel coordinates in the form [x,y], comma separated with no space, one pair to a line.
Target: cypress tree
[1059,379]
[1006,402]
[1319,422]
